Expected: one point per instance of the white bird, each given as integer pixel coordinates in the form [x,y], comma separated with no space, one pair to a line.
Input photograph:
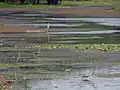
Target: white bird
[48,26]
[55,85]
[1,42]
[69,69]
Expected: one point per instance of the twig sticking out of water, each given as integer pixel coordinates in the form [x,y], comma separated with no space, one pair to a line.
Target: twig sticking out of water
[48,26]
[18,58]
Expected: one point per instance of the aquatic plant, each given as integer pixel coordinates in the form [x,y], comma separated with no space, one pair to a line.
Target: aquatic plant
[82,47]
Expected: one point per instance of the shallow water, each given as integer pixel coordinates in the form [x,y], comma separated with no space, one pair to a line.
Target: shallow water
[60,68]
[63,69]
[58,28]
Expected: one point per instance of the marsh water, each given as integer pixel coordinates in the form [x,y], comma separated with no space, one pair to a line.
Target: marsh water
[63,69]
[59,69]
[63,29]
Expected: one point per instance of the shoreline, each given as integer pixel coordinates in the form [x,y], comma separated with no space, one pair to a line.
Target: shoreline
[102,10]
[69,11]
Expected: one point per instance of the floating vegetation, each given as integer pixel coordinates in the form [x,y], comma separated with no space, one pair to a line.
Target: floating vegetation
[82,47]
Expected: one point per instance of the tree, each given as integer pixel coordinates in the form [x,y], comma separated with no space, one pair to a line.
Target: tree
[2,0]
[49,2]
[33,2]
[60,1]
[22,1]
[38,1]
[52,2]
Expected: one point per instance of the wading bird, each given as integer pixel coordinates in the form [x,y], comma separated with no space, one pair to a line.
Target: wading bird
[37,54]
[87,77]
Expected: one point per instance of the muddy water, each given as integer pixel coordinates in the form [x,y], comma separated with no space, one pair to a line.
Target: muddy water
[60,68]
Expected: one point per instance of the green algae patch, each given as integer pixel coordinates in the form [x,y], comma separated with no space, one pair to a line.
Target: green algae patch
[116,63]
[82,47]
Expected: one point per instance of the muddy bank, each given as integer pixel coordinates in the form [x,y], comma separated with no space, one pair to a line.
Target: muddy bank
[89,10]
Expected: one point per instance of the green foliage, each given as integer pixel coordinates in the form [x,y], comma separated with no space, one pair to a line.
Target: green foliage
[65,4]
[116,9]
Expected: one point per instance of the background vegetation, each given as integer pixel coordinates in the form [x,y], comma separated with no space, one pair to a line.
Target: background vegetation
[65,3]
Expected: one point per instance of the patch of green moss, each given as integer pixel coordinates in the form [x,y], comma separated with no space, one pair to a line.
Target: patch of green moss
[116,9]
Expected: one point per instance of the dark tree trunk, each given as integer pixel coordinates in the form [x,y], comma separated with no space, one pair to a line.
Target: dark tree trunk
[38,1]
[56,2]
[52,2]
[22,1]
[48,2]
[60,1]
[2,0]
[34,2]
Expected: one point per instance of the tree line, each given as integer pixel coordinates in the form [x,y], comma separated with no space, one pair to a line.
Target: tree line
[49,2]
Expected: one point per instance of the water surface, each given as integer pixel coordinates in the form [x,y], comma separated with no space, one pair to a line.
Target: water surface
[58,69]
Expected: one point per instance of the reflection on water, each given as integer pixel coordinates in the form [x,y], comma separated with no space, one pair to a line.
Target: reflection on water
[97,84]
[102,21]
[90,32]
[76,28]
